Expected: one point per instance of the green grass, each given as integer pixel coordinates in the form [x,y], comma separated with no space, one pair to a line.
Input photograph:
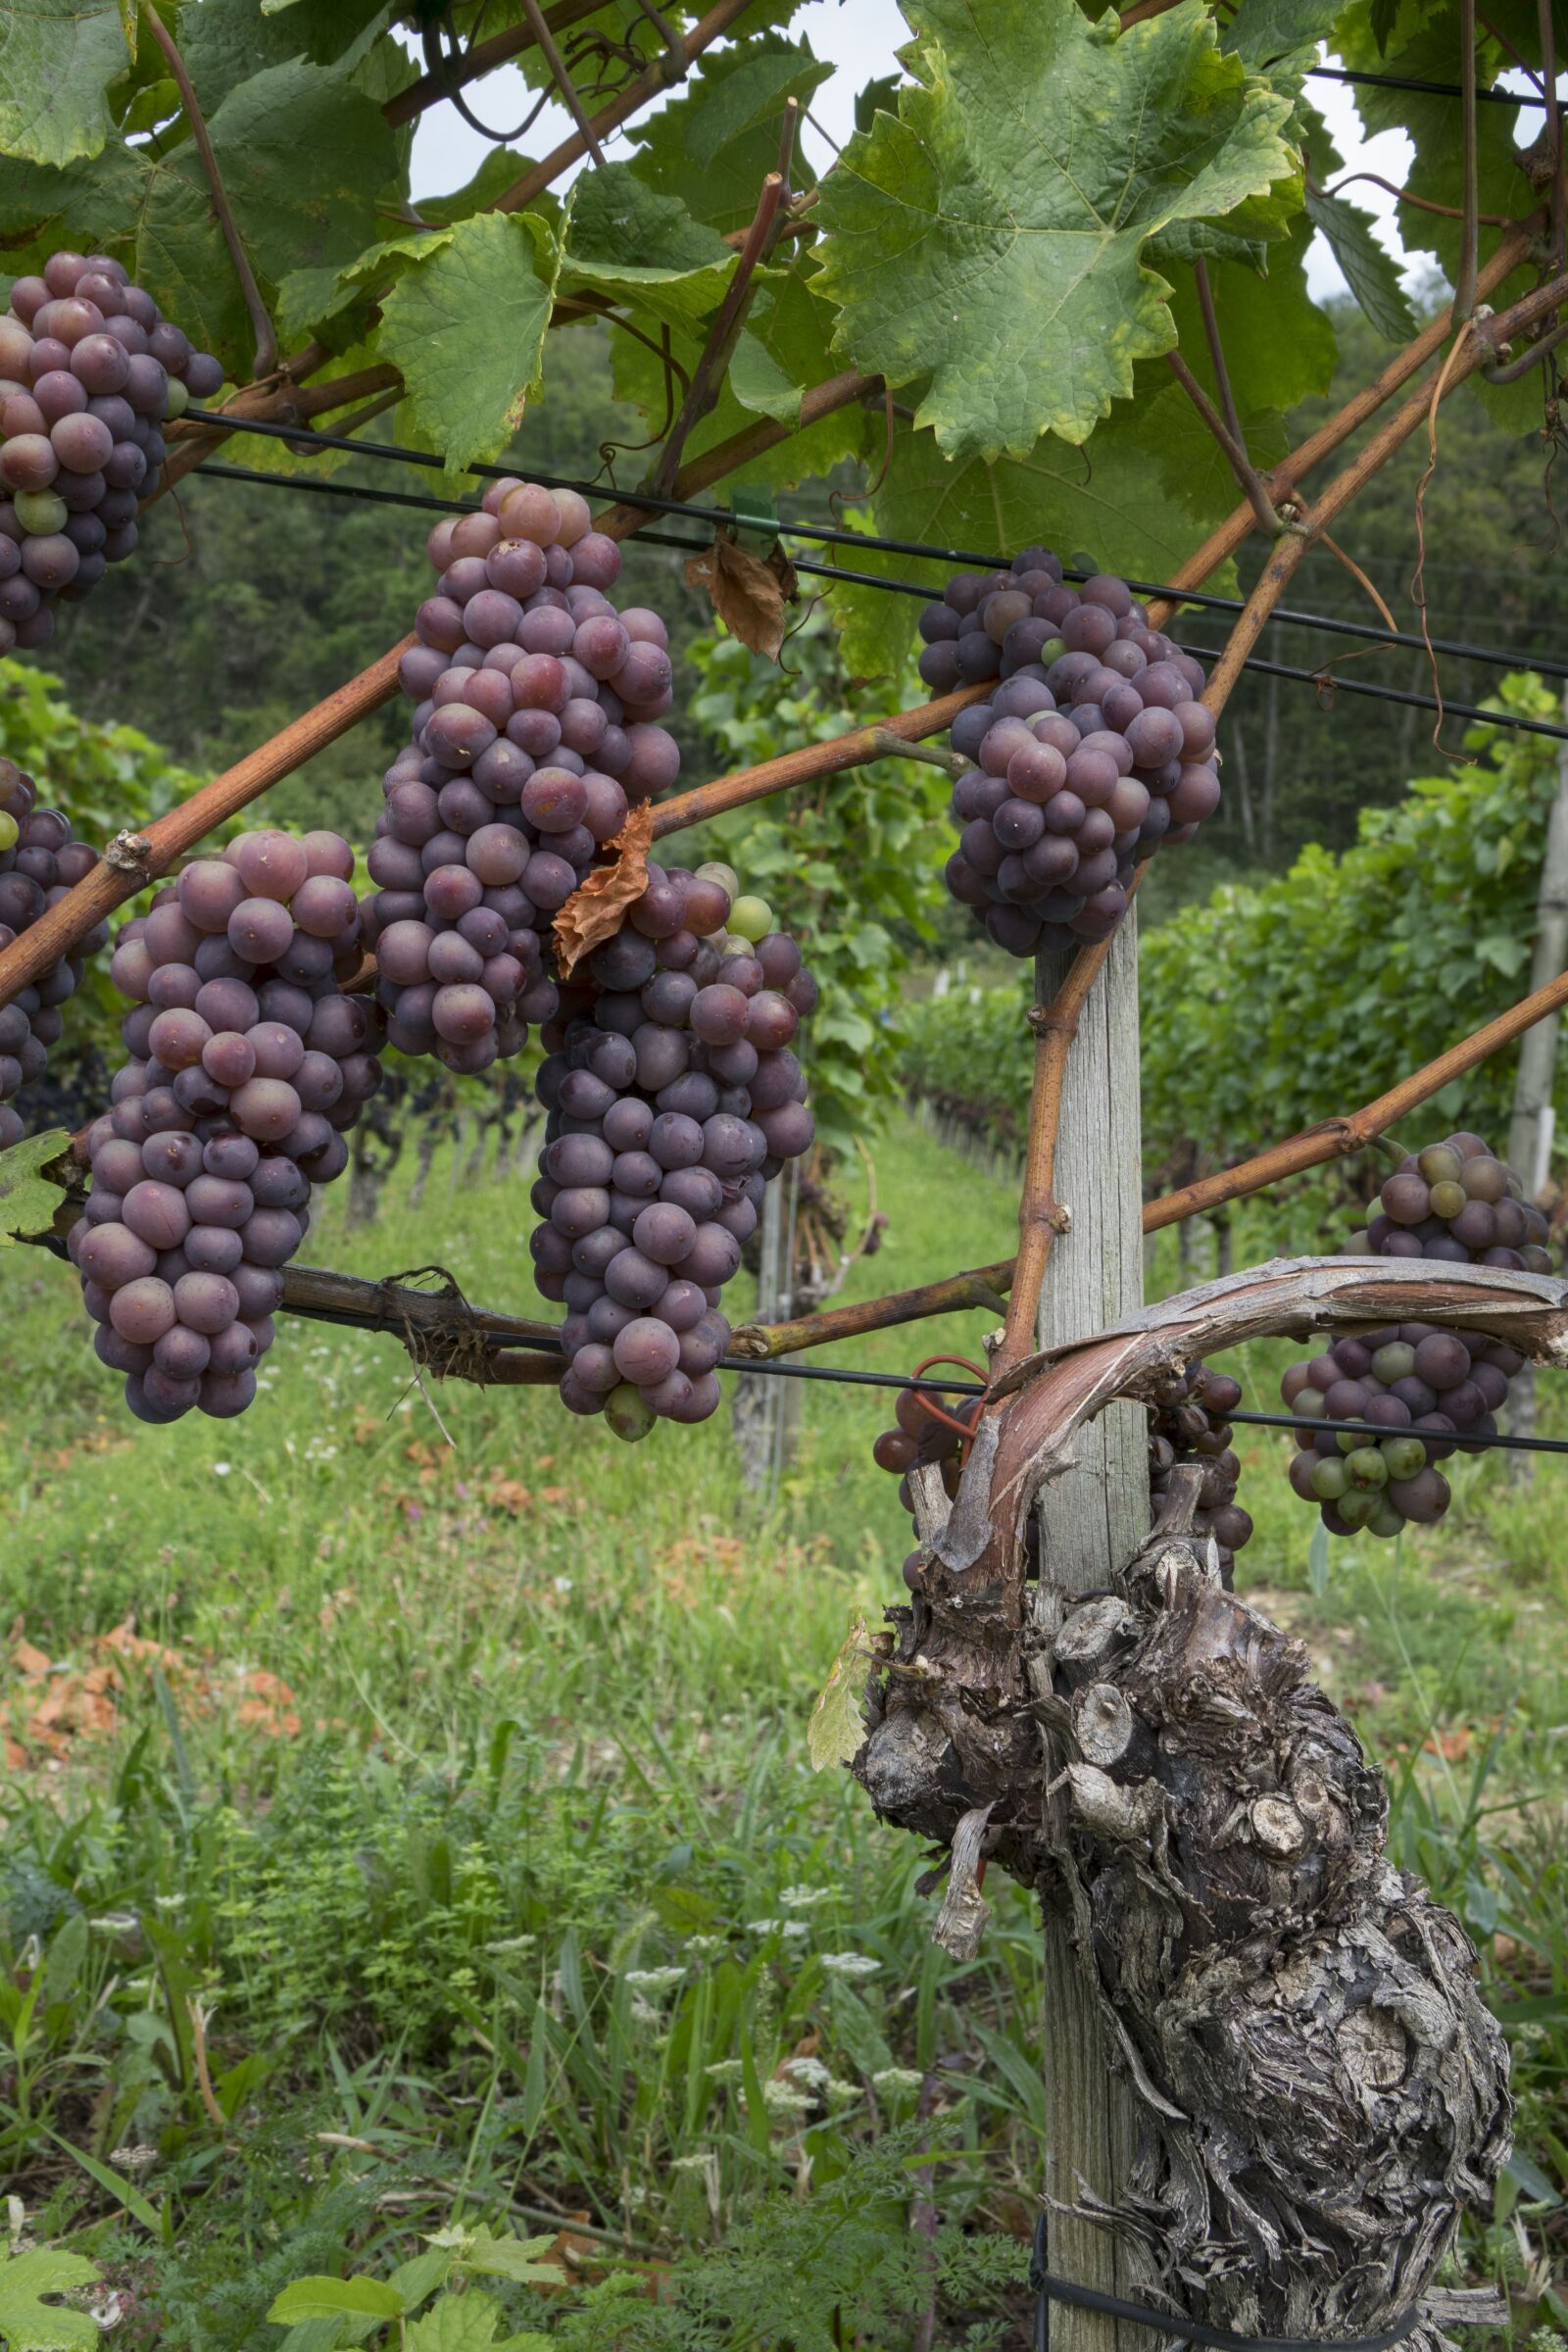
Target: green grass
[456,1820]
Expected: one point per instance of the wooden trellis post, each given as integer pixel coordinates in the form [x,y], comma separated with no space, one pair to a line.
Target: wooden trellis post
[1091,1522]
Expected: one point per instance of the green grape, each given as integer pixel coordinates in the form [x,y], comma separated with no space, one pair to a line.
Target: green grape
[1366,1467]
[1404,1456]
[751,919]
[40,511]
[1360,1245]
[716,870]
[176,400]
[1448,1198]
[1356,1506]
[10,831]
[1349,1442]
[1329,1478]
[1308,1405]
[1440,1163]
[1394,1362]
[1384,1521]
[628,1414]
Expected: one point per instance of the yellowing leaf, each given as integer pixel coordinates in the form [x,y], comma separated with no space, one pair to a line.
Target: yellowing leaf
[836,1731]
[466,327]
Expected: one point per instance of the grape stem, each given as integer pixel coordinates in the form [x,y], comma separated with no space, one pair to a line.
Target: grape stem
[1464,284]
[1235,444]
[1223,543]
[562,78]
[1241,464]
[265,362]
[482,59]
[722,335]
[636,93]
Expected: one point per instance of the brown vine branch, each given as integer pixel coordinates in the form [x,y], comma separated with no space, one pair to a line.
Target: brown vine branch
[1464,286]
[646,85]
[702,391]
[1246,472]
[1549,87]
[1424,204]
[266,334]
[728,456]
[807,765]
[1241,464]
[482,59]
[134,860]
[562,81]
[1332,436]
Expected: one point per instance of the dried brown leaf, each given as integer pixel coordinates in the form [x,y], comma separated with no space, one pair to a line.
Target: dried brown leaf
[596,908]
[750,596]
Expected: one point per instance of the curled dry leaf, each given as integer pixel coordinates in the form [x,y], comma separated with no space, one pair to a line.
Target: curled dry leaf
[750,595]
[596,906]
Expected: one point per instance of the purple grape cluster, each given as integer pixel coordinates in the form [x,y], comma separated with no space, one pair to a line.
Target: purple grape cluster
[40,863]
[248,1066]
[671,1104]
[534,732]
[90,369]
[1188,1422]
[1434,1391]
[1092,749]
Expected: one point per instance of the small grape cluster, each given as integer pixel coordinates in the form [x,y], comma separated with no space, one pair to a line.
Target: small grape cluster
[1189,1421]
[40,863]
[248,1065]
[90,369]
[926,1430]
[672,1097]
[1434,1391]
[1092,752]
[534,731]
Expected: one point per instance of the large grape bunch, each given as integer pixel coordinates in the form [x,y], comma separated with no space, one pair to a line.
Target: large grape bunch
[248,1065]
[1092,749]
[90,369]
[535,729]
[1190,1422]
[1433,1390]
[40,863]
[670,1103]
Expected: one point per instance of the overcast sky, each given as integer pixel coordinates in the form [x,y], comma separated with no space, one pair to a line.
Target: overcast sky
[860,37]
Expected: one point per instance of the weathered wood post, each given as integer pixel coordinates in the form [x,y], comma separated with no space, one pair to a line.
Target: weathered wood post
[1091,1523]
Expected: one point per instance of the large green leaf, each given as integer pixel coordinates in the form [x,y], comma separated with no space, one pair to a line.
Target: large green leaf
[303,157]
[632,244]
[223,42]
[714,143]
[1263,30]
[991,237]
[466,327]
[1278,346]
[57,59]
[30,2325]
[1147,490]
[30,1196]
[320,2298]
[1370,270]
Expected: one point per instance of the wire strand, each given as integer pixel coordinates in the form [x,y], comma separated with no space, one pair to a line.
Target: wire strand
[825,535]
[1322,679]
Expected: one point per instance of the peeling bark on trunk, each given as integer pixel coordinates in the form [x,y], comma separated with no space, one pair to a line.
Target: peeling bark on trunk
[1321,2092]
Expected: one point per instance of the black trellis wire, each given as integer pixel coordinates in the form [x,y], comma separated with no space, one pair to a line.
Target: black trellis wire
[777,1368]
[1425,89]
[1325,681]
[825,535]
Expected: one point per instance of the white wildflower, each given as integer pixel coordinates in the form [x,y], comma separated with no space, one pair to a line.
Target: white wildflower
[222,1469]
[701,1947]
[643,2013]
[840,2093]
[891,2080]
[653,1980]
[690,2164]
[512,1944]
[850,1964]
[764,1927]
[804,1899]
[781,2099]
[810,2070]
[725,2070]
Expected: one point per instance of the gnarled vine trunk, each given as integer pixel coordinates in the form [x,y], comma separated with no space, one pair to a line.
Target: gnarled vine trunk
[1321,2092]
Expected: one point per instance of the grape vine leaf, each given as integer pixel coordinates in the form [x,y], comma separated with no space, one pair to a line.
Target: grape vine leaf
[57,59]
[467,2324]
[320,2298]
[1370,270]
[1279,345]
[28,2323]
[303,157]
[466,325]
[836,1731]
[991,237]
[1263,30]
[632,244]
[30,1197]
[713,144]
